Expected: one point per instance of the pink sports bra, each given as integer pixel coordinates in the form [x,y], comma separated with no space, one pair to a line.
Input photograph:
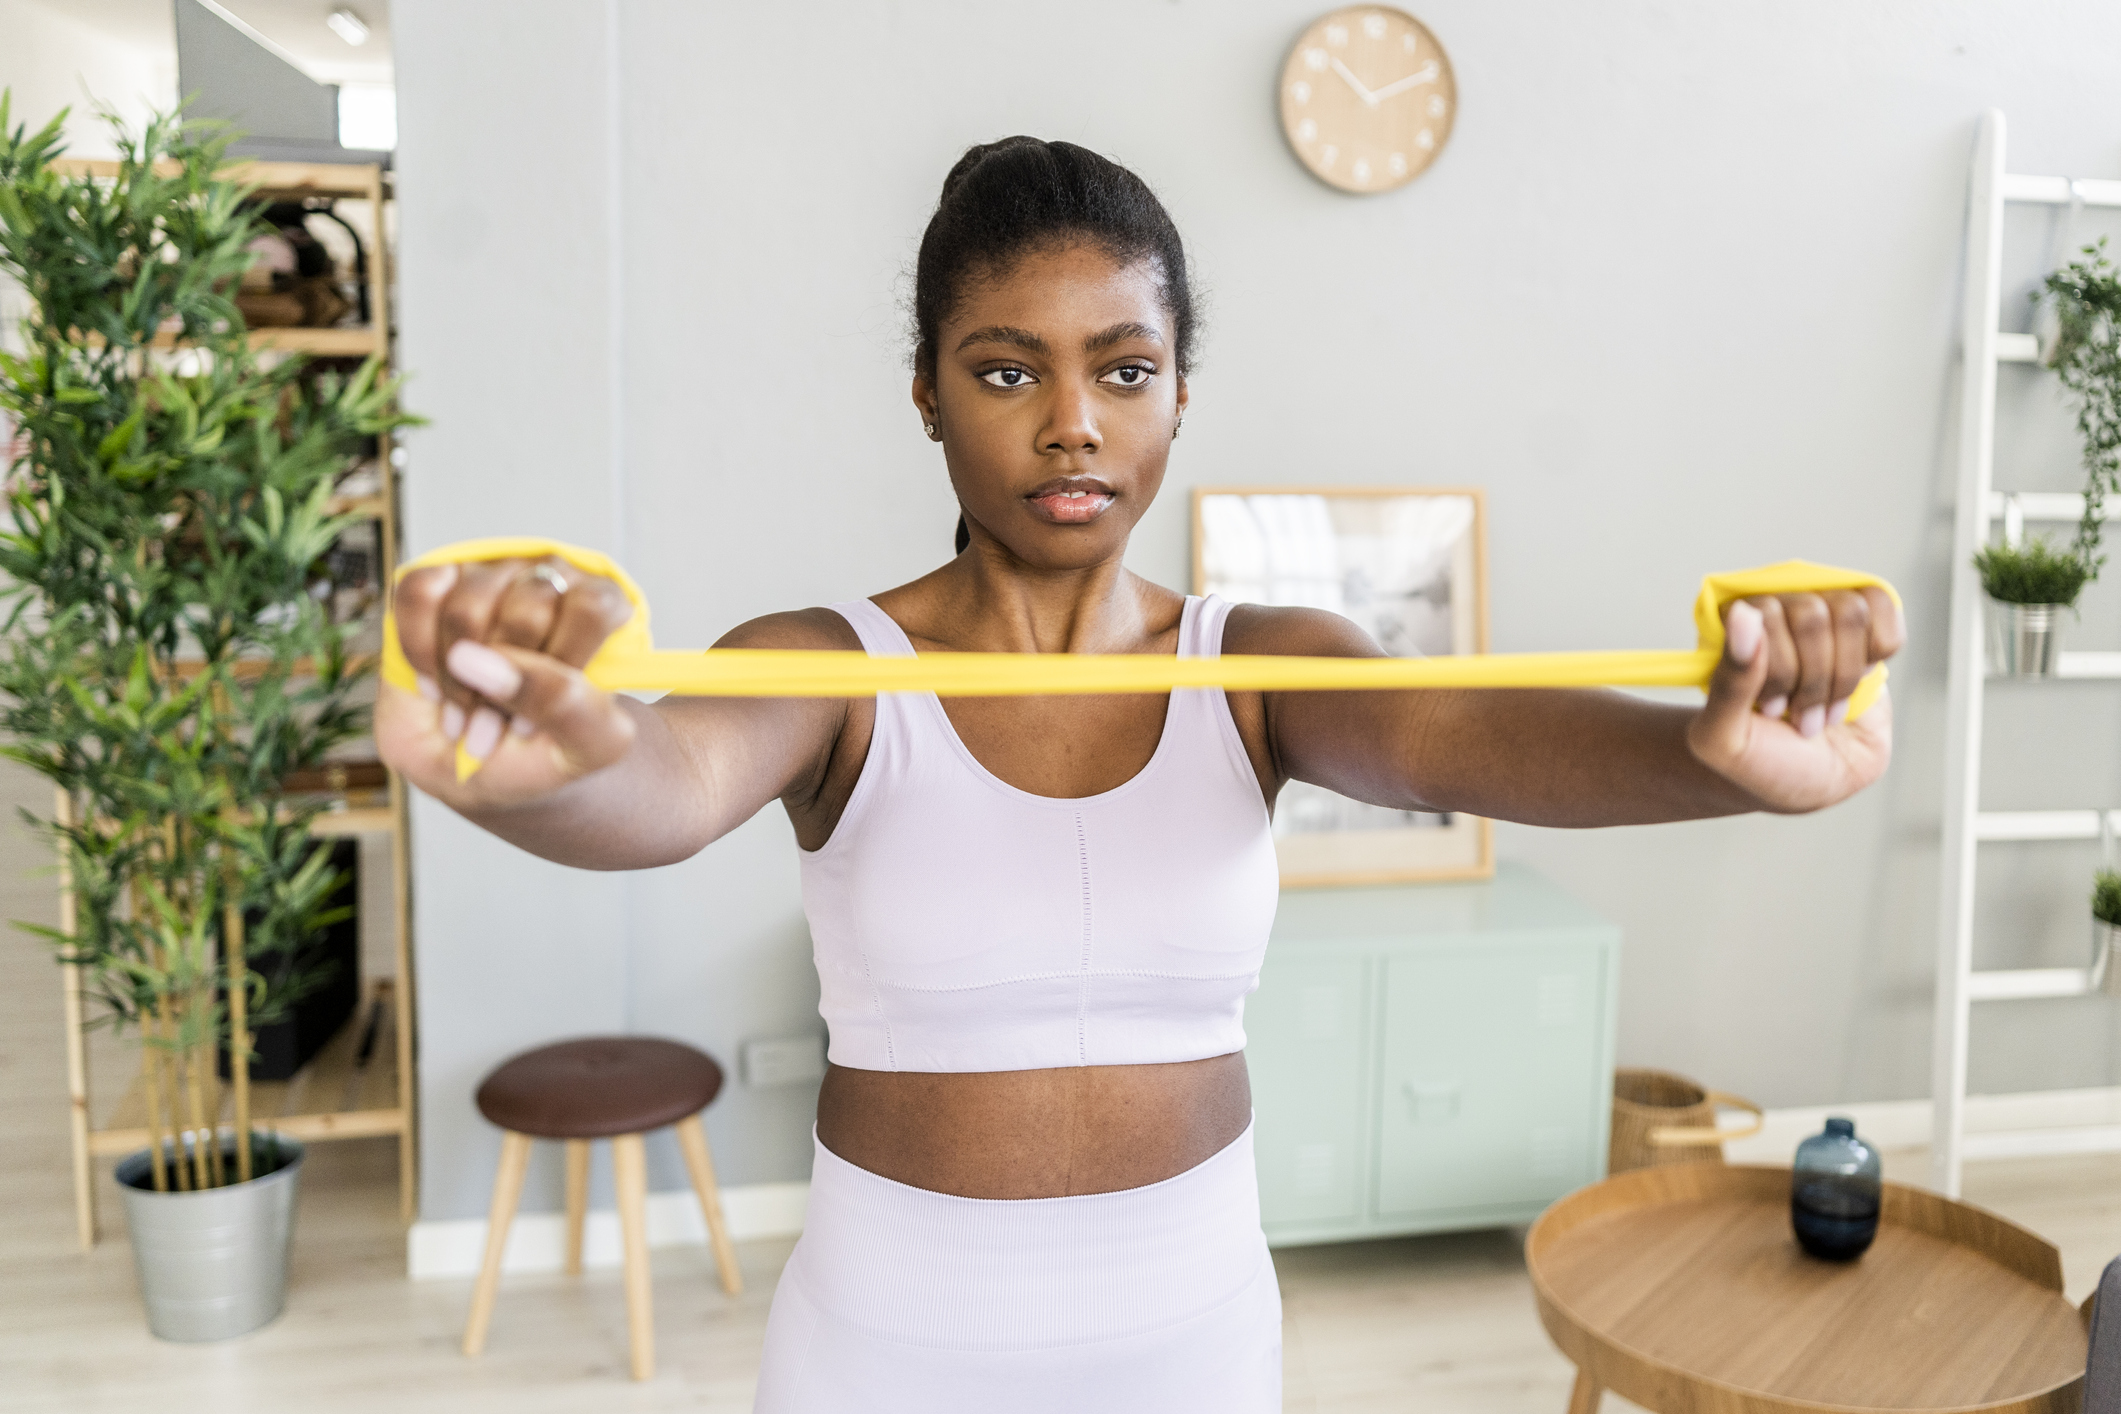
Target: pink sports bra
[961,924]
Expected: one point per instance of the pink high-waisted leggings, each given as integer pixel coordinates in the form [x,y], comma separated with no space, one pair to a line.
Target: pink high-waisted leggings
[1159,1299]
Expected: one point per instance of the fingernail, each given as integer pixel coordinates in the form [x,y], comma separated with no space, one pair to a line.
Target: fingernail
[483,735]
[1812,722]
[452,720]
[1775,706]
[483,670]
[1743,633]
[426,687]
[522,726]
[1839,712]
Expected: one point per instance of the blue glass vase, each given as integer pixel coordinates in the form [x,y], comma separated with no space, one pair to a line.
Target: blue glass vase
[1835,1193]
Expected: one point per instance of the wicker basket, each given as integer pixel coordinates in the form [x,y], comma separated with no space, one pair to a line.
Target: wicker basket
[1661,1118]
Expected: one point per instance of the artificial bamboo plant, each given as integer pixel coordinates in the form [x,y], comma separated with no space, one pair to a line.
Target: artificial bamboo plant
[162,659]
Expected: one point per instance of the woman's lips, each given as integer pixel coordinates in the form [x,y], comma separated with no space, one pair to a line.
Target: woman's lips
[1070,507]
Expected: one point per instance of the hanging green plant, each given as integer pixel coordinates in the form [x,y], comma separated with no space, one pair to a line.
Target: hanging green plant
[161,659]
[2086,298]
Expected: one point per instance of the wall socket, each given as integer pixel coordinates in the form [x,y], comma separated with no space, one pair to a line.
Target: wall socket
[783,1060]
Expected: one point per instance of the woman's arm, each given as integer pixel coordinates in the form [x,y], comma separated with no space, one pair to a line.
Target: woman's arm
[571,773]
[1768,737]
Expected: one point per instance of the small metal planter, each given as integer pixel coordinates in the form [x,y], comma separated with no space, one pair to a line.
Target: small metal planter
[2105,971]
[213,1263]
[2023,639]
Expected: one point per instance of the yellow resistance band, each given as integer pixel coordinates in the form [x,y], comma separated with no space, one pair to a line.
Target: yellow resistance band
[629,660]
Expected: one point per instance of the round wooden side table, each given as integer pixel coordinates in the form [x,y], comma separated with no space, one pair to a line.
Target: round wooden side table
[1682,1288]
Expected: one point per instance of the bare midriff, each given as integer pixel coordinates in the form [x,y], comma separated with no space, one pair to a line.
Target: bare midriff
[1035,1133]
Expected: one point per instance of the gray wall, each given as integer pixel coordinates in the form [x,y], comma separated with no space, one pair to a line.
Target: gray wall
[1682,295]
[51,59]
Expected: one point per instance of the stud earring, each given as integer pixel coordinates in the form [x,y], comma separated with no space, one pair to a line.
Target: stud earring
[929,428]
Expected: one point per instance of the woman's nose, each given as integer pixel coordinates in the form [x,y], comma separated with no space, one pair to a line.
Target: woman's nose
[1071,423]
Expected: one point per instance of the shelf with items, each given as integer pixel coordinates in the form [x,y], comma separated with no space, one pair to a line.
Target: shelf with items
[348,1090]
[301,182]
[337,1094]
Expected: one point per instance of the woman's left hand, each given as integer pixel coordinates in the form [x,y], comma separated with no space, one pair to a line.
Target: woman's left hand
[1774,724]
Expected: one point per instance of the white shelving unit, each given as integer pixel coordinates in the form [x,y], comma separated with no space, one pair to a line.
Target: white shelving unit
[1966,826]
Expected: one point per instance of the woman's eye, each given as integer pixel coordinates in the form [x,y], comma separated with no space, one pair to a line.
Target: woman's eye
[1132,375]
[1006,377]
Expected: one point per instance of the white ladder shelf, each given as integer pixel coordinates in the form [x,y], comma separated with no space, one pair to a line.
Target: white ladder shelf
[1966,825]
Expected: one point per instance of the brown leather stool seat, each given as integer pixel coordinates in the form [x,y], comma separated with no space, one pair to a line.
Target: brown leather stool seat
[600,1086]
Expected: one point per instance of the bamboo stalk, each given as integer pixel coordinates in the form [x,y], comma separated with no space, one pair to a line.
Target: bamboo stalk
[201,1168]
[151,1076]
[232,946]
[153,1064]
[204,1063]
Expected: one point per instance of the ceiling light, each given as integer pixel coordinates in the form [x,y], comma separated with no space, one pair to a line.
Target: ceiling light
[348,26]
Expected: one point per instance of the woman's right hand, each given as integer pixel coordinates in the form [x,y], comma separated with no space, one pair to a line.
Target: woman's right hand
[498,649]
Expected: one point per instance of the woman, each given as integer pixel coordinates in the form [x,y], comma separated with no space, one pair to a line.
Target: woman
[1036,919]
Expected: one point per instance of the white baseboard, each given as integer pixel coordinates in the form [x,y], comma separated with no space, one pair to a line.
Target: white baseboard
[537,1241]
[2035,1123]
[1997,1126]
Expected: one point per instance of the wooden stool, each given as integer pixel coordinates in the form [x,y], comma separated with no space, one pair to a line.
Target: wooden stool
[602,1087]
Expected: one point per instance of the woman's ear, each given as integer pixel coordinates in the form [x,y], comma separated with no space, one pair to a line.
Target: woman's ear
[924,402]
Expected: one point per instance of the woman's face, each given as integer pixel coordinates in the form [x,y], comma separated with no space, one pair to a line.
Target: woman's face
[1056,389]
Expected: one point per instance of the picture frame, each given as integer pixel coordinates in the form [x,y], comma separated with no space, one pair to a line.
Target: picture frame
[1409,566]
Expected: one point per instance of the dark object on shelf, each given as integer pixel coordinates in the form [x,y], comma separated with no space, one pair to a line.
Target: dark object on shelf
[376,1012]
[285,1046]
[309,295]
[1835,1193]
[337,776]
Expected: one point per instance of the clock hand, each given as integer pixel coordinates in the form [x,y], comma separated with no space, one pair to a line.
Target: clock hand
[1423,75]
[1353,82]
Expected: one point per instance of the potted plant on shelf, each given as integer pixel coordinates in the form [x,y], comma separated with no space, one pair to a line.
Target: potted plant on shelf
[2028,585]
[165,664]
[2106,931]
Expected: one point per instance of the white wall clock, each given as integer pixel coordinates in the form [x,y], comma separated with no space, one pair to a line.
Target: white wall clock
[1367,99]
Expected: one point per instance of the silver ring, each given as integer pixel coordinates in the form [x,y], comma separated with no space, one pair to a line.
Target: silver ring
[549,576]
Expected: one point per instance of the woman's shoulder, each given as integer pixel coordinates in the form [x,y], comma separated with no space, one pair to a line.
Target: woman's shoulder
[1291,632]
[794,628]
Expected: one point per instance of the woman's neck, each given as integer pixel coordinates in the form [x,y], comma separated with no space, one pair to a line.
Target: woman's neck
[988,601]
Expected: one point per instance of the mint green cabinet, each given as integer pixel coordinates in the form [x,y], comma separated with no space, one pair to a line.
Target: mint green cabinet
[1312,1142]
[1429,1057]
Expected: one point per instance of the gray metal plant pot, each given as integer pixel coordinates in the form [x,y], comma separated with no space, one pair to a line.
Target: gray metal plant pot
[2105,971]
[213,1263]
[2023,639]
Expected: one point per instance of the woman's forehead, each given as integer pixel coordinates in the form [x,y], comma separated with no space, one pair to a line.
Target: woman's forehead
[1079,288]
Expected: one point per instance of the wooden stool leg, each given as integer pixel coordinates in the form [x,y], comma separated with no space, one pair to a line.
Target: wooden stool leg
[507,1189]
[1585,1398]
[577,1201]
[700,1164]
[629,1167]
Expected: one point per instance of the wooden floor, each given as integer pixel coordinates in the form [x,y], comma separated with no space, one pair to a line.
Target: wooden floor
[1441,1324]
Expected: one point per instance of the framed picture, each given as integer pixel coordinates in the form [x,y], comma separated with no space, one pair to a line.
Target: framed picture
[1410,567]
